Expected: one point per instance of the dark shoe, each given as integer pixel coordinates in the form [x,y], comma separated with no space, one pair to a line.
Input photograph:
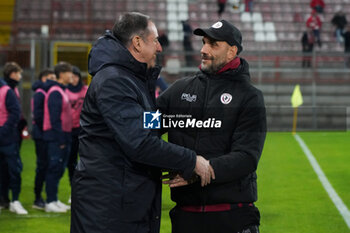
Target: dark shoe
[4,204]
[39,204]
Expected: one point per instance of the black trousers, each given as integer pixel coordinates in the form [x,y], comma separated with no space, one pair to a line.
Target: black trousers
[239,220]
[41,166]
[73,157]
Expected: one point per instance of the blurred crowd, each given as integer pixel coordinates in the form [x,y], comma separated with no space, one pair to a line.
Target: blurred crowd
[313,31]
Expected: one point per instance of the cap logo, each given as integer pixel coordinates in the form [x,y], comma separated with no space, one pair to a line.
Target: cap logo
[217,25]
[226,98]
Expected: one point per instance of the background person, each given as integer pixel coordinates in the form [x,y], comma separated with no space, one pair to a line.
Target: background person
[314,23]
[187,42]
[76,92]
[317,5]
[10,117]
[307,42]
[346,35]
[57,133]
[339,22]
[38,101]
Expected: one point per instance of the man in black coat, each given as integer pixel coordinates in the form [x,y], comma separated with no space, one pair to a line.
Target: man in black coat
[227,125]
[116,185]
[339,22]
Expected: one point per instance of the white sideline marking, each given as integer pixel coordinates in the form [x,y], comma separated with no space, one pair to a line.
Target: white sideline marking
[343,210]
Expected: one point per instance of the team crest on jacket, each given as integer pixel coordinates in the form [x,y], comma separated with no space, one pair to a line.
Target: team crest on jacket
[226,98]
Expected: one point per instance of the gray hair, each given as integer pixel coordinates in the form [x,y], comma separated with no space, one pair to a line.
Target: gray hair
[129,25]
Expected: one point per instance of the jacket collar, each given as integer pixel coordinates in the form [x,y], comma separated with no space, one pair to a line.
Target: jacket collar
[109,51]
[240,73]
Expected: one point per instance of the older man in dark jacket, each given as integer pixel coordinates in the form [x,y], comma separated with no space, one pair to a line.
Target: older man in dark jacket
[116,186]
[221,93]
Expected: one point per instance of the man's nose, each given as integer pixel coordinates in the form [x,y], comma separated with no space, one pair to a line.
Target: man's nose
[204,49]
[159,48]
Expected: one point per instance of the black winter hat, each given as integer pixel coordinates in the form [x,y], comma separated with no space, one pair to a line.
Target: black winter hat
[222,31]
[76,71]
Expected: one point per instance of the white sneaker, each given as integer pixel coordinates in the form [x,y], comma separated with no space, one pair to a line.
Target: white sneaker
[62,205]
[70,200]
[17,208]
[53,207]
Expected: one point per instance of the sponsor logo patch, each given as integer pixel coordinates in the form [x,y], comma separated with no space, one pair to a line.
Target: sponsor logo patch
[188,97]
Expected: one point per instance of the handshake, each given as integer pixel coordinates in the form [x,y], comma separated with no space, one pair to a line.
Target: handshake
[203,169]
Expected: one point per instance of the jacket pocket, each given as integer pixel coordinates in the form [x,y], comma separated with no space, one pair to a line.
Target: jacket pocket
[139,192]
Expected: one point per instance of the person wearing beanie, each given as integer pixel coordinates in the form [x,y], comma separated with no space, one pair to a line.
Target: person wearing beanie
[76,92]
[10,117]
[220,92]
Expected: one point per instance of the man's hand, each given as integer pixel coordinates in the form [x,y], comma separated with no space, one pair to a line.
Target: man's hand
[176,181]
[204,170]
[62,146]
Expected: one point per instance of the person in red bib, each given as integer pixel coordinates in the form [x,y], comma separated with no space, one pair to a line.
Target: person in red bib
[76,93]
[10,160]
[57,128]
[220,91]
[315,24]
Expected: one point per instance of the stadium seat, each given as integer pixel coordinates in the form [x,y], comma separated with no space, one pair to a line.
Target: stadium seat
[259,36]
[267,17]
[269,26]
[173,36]
[174,26]
[172,16]
[256,17]
[270,36]
[173,66]
[171,7]
[258,26]
[246,17]
[183,7]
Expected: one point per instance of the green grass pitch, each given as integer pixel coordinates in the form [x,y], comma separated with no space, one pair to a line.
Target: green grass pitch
[291,198]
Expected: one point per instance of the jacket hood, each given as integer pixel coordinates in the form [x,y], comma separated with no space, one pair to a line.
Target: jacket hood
[2,83]
[37,84]
[239,74]
[108,50]
[48,84]
[11,82]
[76,88]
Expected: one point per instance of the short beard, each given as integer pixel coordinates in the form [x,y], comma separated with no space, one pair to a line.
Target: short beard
[212,69]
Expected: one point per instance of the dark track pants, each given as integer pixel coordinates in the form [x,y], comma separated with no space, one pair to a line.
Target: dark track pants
[10,158]
[57,162]
[41,166]
[73,157]
[240,220]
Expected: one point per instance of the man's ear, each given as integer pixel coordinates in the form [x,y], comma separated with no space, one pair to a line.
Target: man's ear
[136,43]
[232,52]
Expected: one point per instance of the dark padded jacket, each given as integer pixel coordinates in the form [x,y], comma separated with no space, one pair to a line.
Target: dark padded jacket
[235,148]
[8,134]
[117,185]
